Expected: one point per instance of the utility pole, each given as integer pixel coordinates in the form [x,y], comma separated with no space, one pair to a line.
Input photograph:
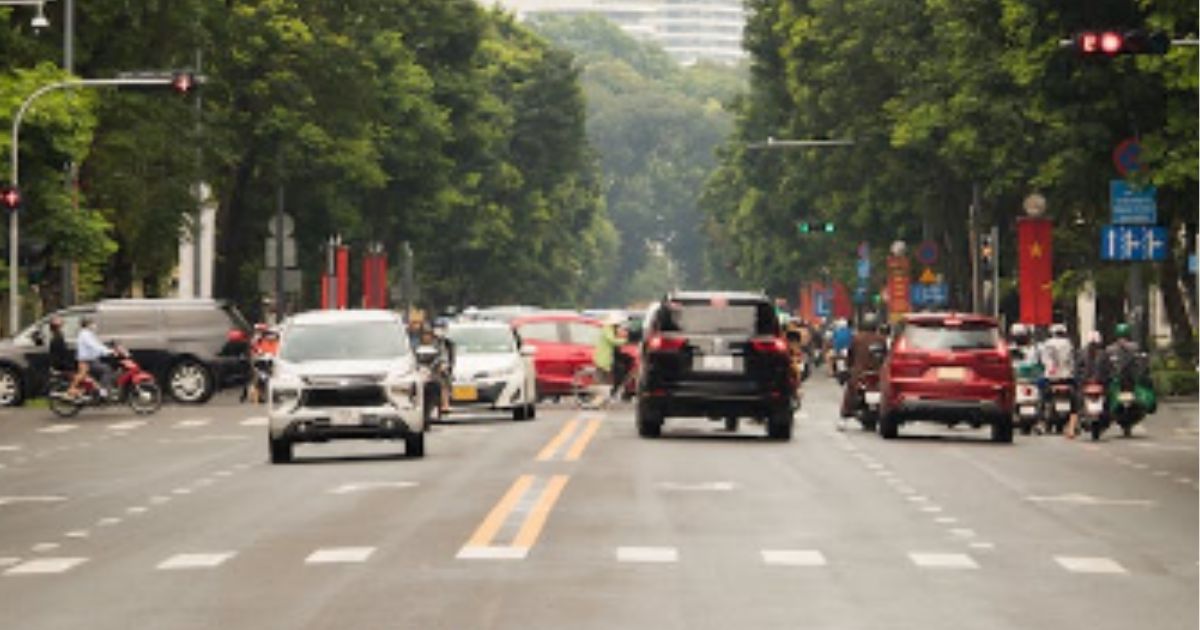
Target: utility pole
[279,238]
[973,246]
[198,223]
[67,278]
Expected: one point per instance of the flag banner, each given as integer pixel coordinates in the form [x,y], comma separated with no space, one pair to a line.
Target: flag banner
[1035,240]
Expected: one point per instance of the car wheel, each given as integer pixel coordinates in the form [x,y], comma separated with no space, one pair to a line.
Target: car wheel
[1002,430]
[10,387]
[731,424]
[649,421]
[520,412]
[869,421]
[889,427]
[414,445]
[779,425]
[281,451]
[532,413]
[190,382]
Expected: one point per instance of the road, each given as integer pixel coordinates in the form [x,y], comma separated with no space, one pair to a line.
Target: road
[572,521]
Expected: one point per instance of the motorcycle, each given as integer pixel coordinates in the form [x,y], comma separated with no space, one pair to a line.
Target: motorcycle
[1092,417]
[869,395]
[134,387]
[1058,405]
[1124,407]
[1028,405]
[841,366]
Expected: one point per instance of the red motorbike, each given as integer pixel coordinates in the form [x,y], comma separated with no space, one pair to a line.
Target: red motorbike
[134,387]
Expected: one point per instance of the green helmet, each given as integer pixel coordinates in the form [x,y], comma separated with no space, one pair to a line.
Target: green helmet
[1122,331]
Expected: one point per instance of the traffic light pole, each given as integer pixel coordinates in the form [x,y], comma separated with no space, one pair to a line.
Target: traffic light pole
[14,295]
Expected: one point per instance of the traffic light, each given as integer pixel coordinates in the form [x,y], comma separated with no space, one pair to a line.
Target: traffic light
[10,198]
[986,253]
[828,228]
[1112,42]
[806,227]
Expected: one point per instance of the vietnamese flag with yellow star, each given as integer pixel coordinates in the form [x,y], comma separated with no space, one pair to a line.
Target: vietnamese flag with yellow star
[1035,240]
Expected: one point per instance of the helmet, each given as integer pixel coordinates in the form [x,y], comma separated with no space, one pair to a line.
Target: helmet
[1058,330]
[1122,331]
[1095,337]
[1018,330]
[869,321]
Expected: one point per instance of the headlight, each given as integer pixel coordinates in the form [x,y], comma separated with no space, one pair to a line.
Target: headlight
[403,389]
[284,396]
[502,372]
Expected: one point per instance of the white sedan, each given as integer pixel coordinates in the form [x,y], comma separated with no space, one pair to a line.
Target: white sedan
[491,370]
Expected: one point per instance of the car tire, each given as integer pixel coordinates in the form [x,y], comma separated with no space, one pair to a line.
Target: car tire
[731,424]
[1002,430]
[190,382]
[520,412]
[889,427]
[414,445]
[281,451]
[12,393]
[532,413]
[869,422]
[779,425]
[649,421]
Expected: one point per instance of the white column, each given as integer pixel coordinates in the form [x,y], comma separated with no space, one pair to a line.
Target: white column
[1085,305]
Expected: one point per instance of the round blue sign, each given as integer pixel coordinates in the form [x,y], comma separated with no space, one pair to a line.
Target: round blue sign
[927,253]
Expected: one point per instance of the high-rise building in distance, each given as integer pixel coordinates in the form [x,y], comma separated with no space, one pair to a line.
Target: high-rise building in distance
[689,30]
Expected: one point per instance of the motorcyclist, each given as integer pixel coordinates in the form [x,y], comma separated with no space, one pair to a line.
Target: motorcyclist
[442,368]
[1026,359]
[608,345]
[1122,356]
[841,340]
[861,360]
[61,357]
[89,355]
[1057,355]
[1091,365]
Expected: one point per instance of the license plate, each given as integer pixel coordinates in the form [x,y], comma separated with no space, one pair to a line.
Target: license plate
[344,417]
[1026,411]
[1125,397]
[872,398]
[464,393]
[716,363]
[1094,407]
[951,374]
[1062,407]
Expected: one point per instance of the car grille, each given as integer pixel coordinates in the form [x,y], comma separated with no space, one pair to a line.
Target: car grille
[350,396]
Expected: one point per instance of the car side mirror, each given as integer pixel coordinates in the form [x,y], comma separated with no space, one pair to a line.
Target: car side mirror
[426,355]
[528,351]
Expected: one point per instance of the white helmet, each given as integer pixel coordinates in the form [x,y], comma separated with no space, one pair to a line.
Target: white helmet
[1095,337]
[1018,330]
[1058,330]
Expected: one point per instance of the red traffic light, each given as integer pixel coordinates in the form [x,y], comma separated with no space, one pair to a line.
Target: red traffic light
[10,198]
[183,82]
[1111,43]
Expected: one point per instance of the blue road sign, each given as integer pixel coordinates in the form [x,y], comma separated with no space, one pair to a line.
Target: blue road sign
[929,294]
[864,269]
[1132,205]
[824,303]
[1133,243]
[927,253]
[1192,264]
[860,295]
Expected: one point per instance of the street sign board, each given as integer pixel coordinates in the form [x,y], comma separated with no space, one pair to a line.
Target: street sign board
[289,252]
[930,294]
[1133,243]
[1132,205]
[291,280]
[927,253]
[1127,157]
[1192,264]
[824,303]
[864,268]
[860,295]
[928,277]
[289,224]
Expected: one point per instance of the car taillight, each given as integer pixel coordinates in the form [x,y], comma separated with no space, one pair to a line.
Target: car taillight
[659,343]
[768,345]
[237,335]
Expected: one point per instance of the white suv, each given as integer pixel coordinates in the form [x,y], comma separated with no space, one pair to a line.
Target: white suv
[345,375]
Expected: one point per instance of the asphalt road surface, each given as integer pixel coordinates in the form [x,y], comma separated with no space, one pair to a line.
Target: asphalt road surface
[109,521]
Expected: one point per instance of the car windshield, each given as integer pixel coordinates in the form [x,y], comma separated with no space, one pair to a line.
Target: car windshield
[705,319]
[348,341]
[950,338]
[482,340]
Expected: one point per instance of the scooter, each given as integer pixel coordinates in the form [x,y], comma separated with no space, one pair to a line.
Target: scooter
[841,366]
[1124,407]
[1028,405]
[1057,408]
[869,395]
[134,387]
[1092,417]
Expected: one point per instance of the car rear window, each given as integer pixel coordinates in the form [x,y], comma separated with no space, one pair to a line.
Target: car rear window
[708,319]
[482,340]
[583,334]
[937,337]
[539,331]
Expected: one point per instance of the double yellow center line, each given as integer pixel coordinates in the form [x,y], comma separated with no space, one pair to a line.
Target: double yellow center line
[514,524]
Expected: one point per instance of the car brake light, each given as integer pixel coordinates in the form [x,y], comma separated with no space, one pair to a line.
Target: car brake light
[659,343]
[237,335]
[769,345]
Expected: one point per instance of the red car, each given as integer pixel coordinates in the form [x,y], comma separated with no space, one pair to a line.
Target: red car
[564,344]
[949,368]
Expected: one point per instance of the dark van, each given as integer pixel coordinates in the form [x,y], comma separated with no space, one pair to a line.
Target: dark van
[192,346]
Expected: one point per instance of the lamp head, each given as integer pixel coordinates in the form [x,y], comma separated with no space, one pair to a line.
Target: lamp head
[39,21]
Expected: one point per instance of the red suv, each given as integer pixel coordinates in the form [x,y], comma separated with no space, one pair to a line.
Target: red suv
[949,368]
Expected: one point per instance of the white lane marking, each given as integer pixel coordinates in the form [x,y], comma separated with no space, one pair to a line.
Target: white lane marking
[918,499]
[1090,565]
[202,482]
[195,560]
[78,533]
[359,486]
[31,499]
[241,466]
[905,490]
[44,547]
[703,486]
[255,421]
[943,560]
[885,473]
[963,532]
[1161,473]
[58,428]
[803,415]
[982,545]
[188,424]
[1183,480]
[182,491]
[8,562]
[660,555]
[8,448]
[45,565]
[492,553]
[127,425]
[793,557]
[945,520]
[932,509]
[1084,499]
[875,466]
[137,509]
[108,521]
[224,473]
[339,554]
[1141,466]
[159,500]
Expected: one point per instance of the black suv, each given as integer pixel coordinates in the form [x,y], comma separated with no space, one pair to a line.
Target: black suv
[715,354]
[192,347]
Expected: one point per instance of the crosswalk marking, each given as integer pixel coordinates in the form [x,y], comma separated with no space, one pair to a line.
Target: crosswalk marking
[334,555]
[8,562]
[58,428]
[189,424]
[44,547]
[7,448]
[255,421]
[195,561]
[943,560]
[45,565]
[793,557]
[658,555]
[127,425]
[1090,565]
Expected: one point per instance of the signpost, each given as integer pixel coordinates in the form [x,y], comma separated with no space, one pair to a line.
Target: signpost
[1132,206]
[1133,243]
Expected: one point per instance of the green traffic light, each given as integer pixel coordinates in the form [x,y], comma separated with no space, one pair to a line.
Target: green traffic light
[804,227]
[829,228]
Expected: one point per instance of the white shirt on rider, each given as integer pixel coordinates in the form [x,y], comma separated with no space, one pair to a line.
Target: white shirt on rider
[88,347]
[1058,358]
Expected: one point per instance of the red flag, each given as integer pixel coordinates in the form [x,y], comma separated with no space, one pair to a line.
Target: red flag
[1035,240]
[842,305]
